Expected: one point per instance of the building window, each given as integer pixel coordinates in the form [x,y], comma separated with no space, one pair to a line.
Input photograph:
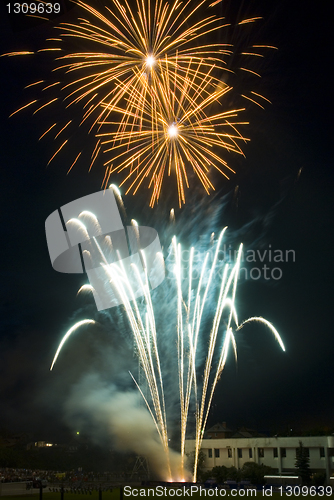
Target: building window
[210,452]
[215,434]
[261,452]
[275,452]
[322,452]
[283,452]
[250,453]
[216,452]
[229,452]
[239,453]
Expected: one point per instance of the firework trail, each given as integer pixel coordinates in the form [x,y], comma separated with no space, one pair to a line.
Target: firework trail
[175,133]
[124,57]
[196,294]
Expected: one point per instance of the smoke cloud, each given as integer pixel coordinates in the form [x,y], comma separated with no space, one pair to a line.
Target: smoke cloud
[103,410]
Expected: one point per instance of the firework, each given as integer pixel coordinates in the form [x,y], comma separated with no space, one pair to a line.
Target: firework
[195,296]
[124,55]
[176,132]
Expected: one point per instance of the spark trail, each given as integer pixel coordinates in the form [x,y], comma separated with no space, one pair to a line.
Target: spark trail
[139,59]
[196,297]
[174,134]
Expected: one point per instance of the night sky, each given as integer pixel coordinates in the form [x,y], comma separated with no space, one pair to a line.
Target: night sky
[284,199]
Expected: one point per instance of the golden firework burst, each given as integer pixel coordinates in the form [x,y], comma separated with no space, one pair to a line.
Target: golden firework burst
[151,62]
[173,131]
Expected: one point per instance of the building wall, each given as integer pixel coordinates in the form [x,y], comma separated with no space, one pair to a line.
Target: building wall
[235,452]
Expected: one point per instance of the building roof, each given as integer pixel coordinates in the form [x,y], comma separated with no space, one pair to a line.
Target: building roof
[219,427]
[244,432]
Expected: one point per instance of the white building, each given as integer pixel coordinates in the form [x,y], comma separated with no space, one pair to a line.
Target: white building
[277,452]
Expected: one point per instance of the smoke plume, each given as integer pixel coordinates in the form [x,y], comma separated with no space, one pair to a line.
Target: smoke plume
[103,410]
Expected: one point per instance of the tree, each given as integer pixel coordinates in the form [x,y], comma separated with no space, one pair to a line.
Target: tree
[255,472]
[220,473]
[233,474]
[200,464]
[302,463]
[319,478]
